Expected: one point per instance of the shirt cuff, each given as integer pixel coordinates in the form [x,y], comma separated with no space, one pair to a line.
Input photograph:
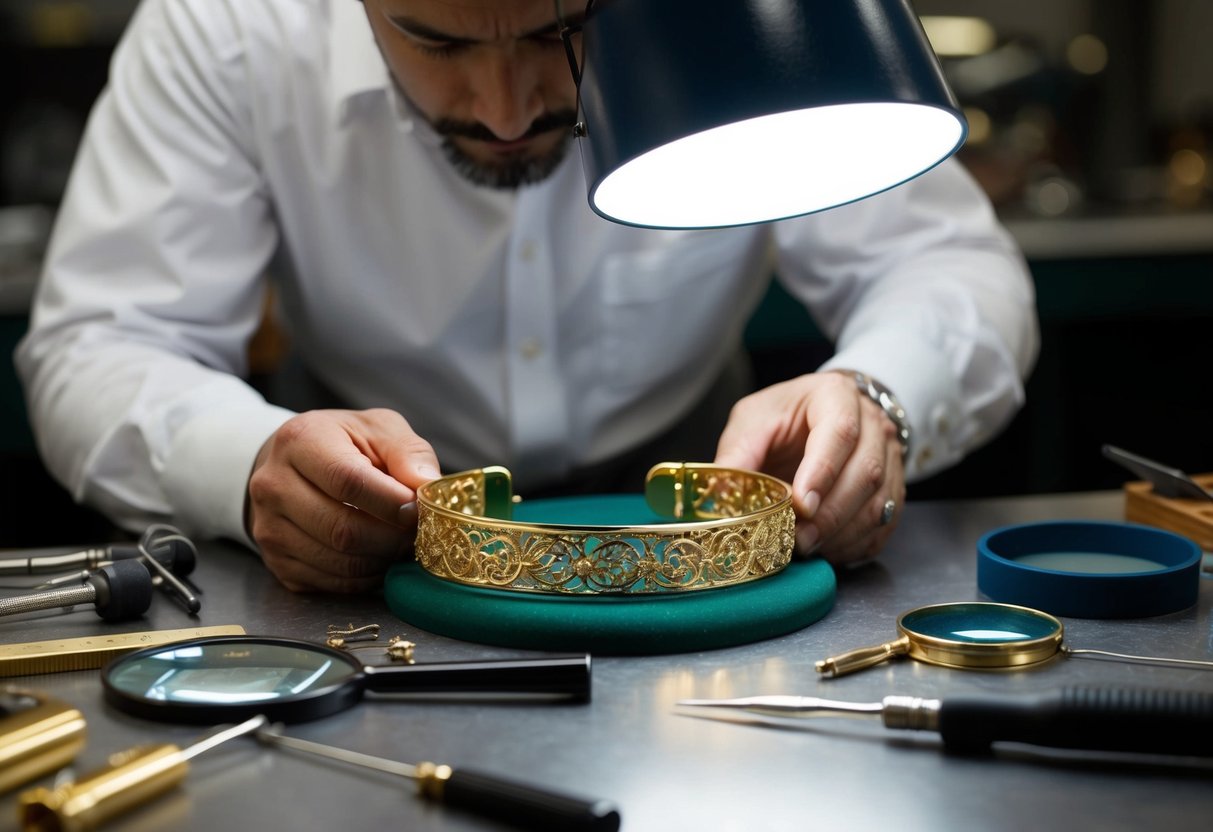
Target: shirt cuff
[920,377]
[206,471]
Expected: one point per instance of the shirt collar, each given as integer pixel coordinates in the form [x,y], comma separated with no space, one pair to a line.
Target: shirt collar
[355,64]
[358,70]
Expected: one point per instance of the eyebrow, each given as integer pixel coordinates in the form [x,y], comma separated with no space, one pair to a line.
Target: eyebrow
[423,31]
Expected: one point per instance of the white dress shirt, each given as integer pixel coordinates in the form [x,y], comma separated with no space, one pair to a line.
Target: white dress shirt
[238,137]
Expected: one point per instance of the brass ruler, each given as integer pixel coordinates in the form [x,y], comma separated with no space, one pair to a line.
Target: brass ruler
[93,651]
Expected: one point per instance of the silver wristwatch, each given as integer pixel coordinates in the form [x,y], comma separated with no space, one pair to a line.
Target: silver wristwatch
[892,408]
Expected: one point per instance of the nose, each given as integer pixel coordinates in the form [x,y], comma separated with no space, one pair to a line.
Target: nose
[507,96]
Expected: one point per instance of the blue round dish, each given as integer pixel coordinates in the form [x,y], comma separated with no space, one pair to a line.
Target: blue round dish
[1089,569]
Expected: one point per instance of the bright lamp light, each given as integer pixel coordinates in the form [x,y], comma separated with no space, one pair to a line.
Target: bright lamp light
[700,114]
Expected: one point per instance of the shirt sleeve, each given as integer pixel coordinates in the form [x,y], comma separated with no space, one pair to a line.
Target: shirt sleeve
[153,285]
[921,288]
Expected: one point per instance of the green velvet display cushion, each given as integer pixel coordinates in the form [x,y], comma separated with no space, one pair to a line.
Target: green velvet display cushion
[671,622]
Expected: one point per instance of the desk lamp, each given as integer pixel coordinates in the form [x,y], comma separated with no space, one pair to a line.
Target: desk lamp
[698,114]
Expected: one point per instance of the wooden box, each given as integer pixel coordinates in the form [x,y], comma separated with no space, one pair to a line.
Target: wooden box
[1191,518]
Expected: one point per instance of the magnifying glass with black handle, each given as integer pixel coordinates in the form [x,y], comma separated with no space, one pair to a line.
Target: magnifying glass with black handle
[229,678]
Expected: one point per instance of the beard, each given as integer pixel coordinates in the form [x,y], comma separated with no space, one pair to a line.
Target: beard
[511,171]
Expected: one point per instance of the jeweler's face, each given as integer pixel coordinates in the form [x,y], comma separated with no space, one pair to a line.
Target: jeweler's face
[490,75]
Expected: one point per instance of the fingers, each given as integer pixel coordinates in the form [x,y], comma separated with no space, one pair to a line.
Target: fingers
[837,449]
[301,563]
[766,430]
[835,425]
[742,444]
[851,523]
[332,497]
[369,459]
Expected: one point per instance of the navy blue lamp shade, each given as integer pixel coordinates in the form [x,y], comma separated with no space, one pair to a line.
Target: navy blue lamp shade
[704,114]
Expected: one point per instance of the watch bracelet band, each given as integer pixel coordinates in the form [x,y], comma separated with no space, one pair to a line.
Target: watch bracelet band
[887,402]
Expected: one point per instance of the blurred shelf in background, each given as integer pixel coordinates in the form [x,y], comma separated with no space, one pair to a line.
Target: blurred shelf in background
[1114,235]
[1082,107]
[55,24]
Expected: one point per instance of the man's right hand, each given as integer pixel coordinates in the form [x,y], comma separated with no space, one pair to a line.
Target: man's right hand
[332,497]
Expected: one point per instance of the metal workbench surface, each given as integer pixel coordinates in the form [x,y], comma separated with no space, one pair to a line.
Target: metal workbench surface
[663,769]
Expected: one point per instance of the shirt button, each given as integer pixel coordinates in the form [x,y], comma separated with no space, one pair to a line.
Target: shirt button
[526,253]
[530,348]
[924,456]
[939,416]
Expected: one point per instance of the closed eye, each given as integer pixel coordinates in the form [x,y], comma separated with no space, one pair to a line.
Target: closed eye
[436,49]
[436,44]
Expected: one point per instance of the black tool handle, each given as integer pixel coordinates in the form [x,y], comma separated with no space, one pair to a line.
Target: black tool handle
[559,675]
[123,589]
[1108,719]
[524,806]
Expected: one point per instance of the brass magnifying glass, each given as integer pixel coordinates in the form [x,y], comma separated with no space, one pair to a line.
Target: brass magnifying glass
[979,634]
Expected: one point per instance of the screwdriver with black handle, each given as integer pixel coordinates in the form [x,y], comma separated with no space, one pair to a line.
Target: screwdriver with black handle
[519,804]
[1148,721]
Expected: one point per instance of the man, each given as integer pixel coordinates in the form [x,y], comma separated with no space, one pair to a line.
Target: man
[403,169]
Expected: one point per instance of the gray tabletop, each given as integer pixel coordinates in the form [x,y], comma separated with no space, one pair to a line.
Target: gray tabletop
[666,770]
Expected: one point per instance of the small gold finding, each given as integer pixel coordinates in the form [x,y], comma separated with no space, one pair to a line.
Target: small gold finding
[400,650]
[367,632]
[340,637]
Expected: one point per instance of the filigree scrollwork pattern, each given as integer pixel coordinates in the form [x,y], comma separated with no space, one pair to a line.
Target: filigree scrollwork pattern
[462,493]
[753,538]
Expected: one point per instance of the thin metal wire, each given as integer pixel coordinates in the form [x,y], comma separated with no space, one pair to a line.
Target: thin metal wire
[152,539]
[566,37]
[1152,660]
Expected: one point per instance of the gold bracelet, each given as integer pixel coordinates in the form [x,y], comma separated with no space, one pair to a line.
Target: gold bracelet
[730,526]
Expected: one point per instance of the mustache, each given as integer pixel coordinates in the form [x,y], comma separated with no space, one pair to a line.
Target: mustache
[554,120]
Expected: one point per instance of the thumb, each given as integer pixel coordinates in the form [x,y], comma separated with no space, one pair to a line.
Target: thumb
[412,461]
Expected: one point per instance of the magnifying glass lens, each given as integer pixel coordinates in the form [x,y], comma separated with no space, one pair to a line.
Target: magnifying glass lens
[228,673]
[979,623]
[980,634]
[229,678]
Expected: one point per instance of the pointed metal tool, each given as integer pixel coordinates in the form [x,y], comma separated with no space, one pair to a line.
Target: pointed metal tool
[1108,719]
[1167,481]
